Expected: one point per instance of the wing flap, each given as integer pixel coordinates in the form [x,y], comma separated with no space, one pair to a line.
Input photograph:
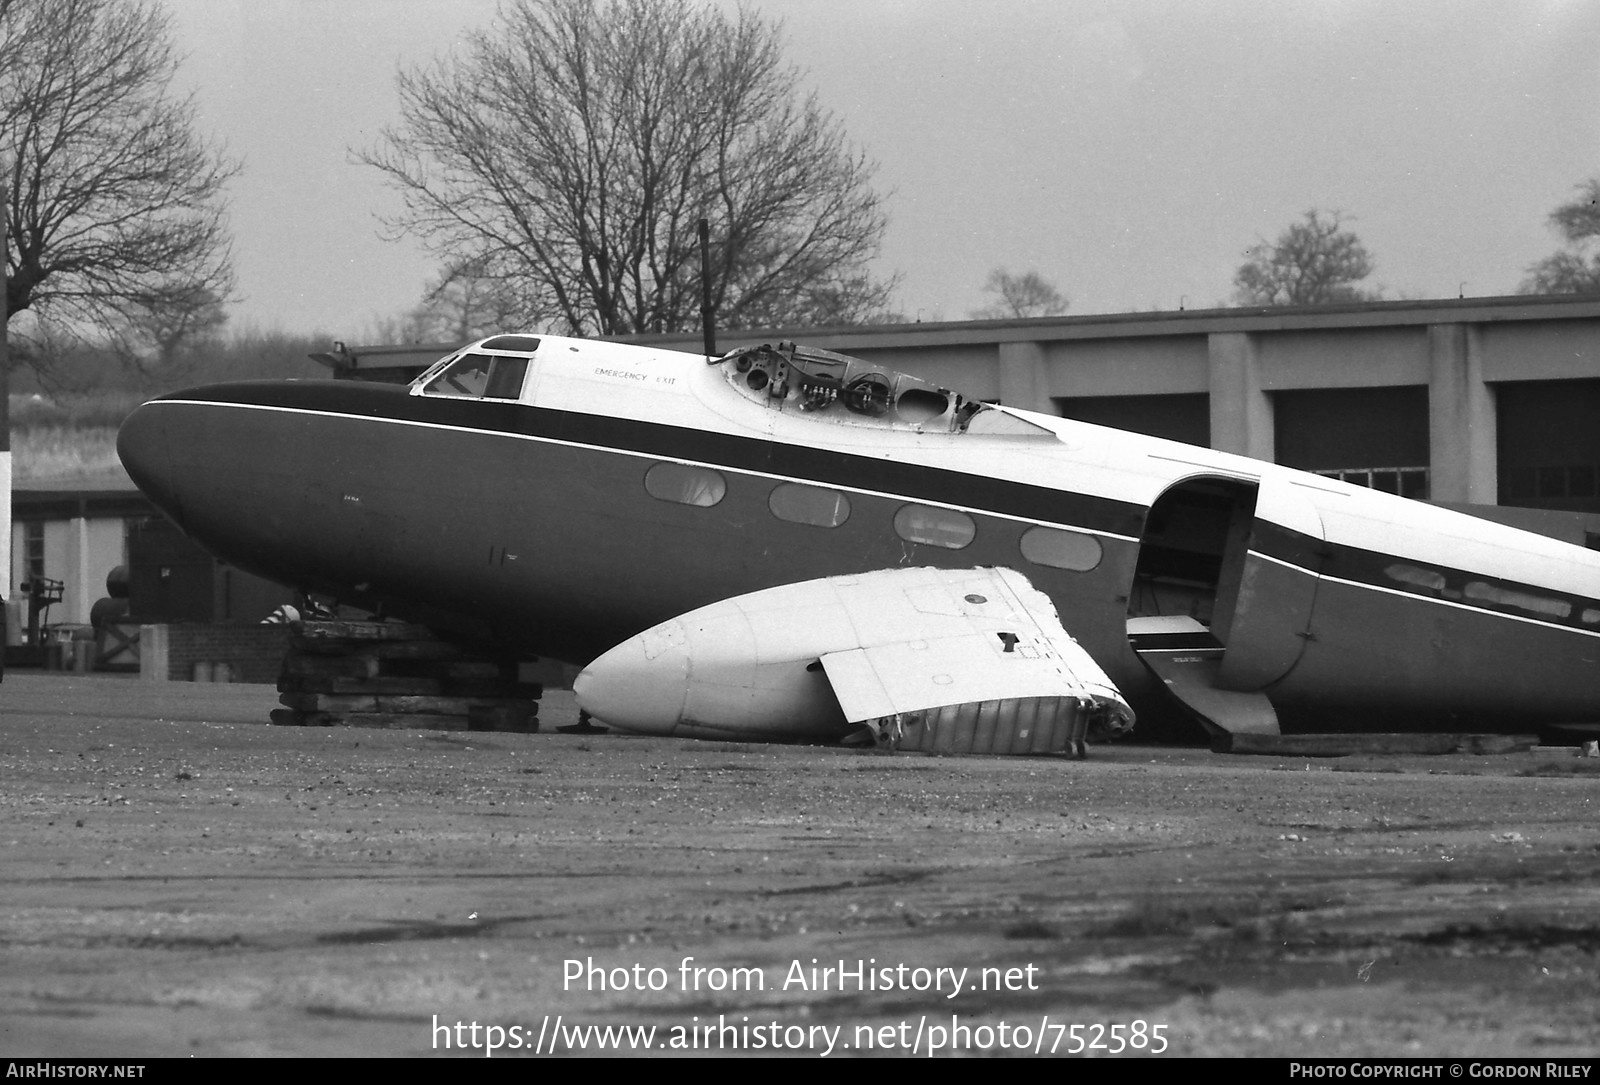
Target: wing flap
[975,663]
[911,676]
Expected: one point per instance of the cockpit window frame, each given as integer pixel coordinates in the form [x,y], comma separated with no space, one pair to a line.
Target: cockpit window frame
[421,380]
[429,383]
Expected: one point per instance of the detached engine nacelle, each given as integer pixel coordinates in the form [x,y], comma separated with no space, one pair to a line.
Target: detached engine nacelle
[953,661]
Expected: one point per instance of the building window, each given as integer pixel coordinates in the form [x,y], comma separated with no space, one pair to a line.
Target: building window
[809,505]
[1576,481]
[1547,444]
[935,527]
[1061,549]
[32,550]
[1581,480]
[685,485]
[1405,481]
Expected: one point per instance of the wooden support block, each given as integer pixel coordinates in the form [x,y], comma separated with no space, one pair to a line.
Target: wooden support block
[340,666]
[503,702]
[517,691]
[395,675]
[328,702]
[443,706]
[520,718]
[341,629]
[423,649]
[395,721]
[477,668]
[370,686]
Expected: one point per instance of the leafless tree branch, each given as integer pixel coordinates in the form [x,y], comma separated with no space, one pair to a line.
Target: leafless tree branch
[116,206]
[570,152]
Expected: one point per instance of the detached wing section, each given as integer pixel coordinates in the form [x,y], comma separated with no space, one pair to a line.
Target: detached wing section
[953,661]
[971,661]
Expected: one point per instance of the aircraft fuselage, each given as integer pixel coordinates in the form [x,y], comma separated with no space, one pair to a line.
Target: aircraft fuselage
[601,489]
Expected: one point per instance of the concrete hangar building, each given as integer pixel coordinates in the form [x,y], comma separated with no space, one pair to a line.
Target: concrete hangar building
[1485,401]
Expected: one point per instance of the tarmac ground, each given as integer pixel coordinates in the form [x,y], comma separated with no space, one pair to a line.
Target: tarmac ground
[181,878]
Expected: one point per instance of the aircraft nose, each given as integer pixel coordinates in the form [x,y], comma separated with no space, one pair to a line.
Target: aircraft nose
[640,685]
[144,444]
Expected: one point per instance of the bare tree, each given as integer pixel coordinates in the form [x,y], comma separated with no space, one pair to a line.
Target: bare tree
[570,152]
[463,304]
[1576,268]
[115,205]
[160,340]
[1028,294]
[468,302]
[1316,261]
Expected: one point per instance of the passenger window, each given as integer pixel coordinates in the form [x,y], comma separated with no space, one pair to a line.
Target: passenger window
[935,527]
[1480,591]
[685,485]
[1061,549]
[809,505]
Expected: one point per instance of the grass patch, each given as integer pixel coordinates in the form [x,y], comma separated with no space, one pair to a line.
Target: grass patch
[55,452]
[90,411]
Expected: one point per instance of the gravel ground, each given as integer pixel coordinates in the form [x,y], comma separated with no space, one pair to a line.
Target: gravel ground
[181,879]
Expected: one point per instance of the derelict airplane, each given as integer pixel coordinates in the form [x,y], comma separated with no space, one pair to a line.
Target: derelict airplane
[785,544]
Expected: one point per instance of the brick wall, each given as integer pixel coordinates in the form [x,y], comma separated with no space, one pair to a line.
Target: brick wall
[253,652]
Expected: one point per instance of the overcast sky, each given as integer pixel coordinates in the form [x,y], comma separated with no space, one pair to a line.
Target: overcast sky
[1127,151]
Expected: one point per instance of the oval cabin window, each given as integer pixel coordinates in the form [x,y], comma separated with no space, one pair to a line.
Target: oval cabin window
[809,505]
[1061,549]
[934,527]
[685,485]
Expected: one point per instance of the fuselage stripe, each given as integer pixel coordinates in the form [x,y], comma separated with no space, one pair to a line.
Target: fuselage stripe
[1425,598]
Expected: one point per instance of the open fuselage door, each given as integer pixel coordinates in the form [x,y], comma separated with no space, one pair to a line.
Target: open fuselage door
[1223,595]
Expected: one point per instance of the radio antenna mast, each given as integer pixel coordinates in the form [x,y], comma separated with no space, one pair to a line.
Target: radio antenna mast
[708,323]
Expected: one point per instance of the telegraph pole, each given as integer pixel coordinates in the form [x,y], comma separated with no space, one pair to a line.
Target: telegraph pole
[5,406]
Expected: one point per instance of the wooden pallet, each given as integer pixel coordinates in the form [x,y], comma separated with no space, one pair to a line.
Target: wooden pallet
[398,675]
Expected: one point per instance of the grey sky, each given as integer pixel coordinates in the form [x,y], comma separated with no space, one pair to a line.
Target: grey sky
[1129,152]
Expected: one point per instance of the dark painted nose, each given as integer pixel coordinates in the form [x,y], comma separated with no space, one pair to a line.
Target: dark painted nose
[144,443]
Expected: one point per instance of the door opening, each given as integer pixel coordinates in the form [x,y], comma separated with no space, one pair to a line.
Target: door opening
[1186,596]
[1191,555]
